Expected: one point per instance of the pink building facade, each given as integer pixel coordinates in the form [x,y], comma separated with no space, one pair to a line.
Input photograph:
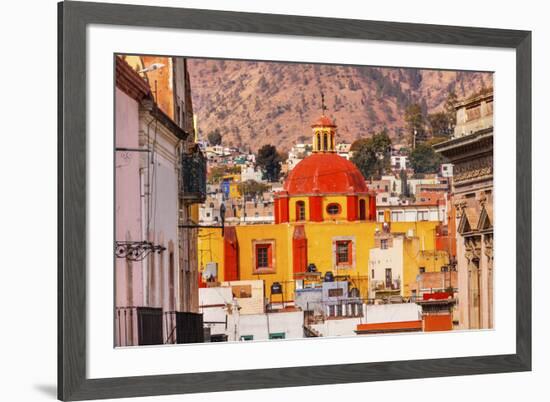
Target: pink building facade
[155,265]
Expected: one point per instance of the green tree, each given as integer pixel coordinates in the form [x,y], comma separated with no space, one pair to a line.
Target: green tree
[269,161]
[440,124]
[251,189]
[424,159]
[415,124]
[358,143]
[372,156]
[215,137]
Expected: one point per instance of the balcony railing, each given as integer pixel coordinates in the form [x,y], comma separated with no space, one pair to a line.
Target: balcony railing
[322,310]
[138,326]
[385,286]
[192,177]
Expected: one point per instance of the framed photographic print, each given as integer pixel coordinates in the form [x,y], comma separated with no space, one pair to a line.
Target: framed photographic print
[257,201]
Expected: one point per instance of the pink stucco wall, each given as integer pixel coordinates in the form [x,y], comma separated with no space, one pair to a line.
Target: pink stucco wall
[128,279]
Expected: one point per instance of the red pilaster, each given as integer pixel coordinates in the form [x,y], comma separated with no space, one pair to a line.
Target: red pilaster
[230,254]
[299,249]
[316,208]
[283,209]
[352,207]
[372,207]
[276,210]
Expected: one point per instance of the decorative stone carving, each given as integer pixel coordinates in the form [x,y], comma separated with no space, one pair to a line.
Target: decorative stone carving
[472,248]
[473,169]
[482,198]
[460,205]
[488,243]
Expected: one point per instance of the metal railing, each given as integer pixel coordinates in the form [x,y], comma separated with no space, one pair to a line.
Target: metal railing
[138,326]
[384,286]
[125,326]
[192,176]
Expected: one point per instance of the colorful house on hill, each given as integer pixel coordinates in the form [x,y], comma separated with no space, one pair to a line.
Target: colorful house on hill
[325,216]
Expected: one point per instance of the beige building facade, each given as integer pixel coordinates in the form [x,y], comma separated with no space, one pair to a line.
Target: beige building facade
[471,152]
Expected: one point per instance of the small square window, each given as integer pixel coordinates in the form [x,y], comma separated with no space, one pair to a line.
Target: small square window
[263,256]
[338,292]
[422,270]
[277,335]
[343,252]
[262,253]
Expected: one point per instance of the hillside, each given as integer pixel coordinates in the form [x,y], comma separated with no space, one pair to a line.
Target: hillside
[255,103]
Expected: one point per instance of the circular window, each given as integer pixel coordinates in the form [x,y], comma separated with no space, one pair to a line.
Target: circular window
[333,209]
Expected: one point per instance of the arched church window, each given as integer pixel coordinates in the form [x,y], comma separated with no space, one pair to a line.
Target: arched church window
[325,142]
[362,210]
[300,211]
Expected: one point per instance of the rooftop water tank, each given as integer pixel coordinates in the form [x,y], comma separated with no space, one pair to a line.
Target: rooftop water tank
[276,288]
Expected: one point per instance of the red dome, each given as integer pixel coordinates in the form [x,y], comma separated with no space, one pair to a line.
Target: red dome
[325,173]
[323,121]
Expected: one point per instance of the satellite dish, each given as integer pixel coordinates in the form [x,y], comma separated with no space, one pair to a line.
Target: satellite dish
[210,271]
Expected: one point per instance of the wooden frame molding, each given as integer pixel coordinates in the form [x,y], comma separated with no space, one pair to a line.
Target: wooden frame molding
[73,18]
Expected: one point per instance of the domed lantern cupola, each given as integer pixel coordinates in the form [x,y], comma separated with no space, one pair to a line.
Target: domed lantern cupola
[324,131]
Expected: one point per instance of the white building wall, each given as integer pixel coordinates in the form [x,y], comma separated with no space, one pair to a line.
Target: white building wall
[412,213]
[393,313]
[249,305]
[160,212]
[381,259]
[261,325]
[371,315]
[213,304]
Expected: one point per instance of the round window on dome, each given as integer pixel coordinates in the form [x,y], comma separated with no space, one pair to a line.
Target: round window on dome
[333,209]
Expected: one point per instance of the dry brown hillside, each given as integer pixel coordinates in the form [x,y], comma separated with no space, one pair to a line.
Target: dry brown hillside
[255,103]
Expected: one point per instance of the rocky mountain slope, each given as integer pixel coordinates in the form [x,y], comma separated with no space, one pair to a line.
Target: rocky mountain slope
[255,103]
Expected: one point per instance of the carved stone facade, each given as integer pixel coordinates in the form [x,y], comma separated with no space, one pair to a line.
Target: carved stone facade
[472,194]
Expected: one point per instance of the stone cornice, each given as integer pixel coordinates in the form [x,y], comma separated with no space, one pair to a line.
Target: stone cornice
[467,146]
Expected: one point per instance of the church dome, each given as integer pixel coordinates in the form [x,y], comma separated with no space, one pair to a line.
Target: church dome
[325,173]
[323,121]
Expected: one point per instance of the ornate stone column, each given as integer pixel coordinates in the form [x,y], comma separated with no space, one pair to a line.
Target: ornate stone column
[488,256]
[483,294]
[473,254]
[462,272]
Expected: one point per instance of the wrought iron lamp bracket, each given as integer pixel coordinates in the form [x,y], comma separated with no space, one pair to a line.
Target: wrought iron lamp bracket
[136,250]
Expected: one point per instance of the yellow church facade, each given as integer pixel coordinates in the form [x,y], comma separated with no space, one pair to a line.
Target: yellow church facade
[325,222]
[321,251]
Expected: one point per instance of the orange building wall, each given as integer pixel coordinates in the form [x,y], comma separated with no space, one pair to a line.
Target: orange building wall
[164,91]
[438,322]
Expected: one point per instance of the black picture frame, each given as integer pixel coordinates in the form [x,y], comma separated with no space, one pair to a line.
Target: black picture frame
[73,18]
